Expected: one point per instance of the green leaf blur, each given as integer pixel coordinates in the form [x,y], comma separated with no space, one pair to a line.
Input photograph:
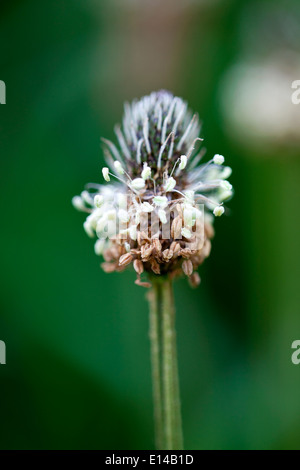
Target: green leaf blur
[78,366]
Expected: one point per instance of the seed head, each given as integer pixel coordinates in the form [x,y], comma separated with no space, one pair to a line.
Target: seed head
[150,217]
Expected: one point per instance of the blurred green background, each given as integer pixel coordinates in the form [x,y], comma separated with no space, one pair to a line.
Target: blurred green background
[78,368]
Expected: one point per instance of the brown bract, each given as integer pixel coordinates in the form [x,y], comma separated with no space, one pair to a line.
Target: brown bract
[174,256]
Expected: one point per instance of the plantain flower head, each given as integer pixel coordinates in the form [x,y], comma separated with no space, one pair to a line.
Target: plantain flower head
[156,206]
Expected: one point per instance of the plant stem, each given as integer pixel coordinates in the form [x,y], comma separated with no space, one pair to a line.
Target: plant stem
[155,340]
[177,405]
[166,396]
[172,414]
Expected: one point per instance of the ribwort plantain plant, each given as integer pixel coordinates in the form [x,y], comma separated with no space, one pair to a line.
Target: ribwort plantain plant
[157,216]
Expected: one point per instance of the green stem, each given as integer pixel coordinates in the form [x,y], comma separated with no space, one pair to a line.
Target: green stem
[171,396]
[166,398]
[177,404]
[155,341]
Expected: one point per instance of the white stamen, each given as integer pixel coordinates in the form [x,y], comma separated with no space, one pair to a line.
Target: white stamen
[160,201]
[123,216]
[146,173]
[105,173]
[93,218]
[186,233]
[99,246]
[218,211]
[111,214]
[146,207]
[101,224]
[132,232]
[190,196]
[183,162]
[226,185]
[87,198]
[118,167]
[98,200]
[137,217]
[225,195]
[138,184]
[88,229]
[226,173]
[170,184]
[188,217]
[122,201]
[162,216]
[218,159]
[78,203]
